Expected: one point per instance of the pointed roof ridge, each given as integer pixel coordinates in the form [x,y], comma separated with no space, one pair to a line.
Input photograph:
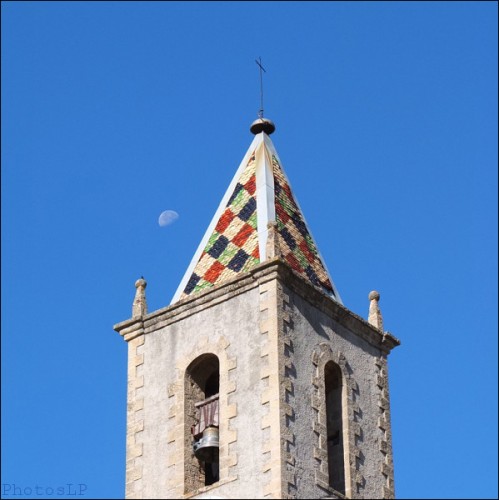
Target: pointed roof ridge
[334,290]
[236,239]
[257,140]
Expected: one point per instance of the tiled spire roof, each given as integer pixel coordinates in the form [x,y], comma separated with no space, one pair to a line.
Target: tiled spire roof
[236,238]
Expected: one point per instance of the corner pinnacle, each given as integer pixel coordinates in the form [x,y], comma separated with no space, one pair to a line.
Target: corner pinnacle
[139,307]
[375,317]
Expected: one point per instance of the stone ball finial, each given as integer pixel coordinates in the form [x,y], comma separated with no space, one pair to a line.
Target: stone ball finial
[139,306]
[375,318]
[262,125]
[140,282]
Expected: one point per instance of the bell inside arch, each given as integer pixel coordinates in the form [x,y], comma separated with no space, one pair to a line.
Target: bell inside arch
[207,448]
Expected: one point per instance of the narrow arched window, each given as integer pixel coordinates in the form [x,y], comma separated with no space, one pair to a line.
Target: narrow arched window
[202,385]
[334,414]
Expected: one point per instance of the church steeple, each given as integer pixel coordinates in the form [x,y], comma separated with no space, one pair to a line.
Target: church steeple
[236,239]
[256,381]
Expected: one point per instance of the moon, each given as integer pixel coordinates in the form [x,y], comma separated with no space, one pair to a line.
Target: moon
[167,217]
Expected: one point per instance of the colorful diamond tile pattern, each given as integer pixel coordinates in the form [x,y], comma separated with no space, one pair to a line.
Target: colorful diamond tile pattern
[233,246]
[296,245]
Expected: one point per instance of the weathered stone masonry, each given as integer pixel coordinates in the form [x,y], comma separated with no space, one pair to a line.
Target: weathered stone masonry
[134,334]
[287,350]
[385,444]
[179,438]
[353,471]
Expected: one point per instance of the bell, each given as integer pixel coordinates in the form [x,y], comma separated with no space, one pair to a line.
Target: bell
[206,449]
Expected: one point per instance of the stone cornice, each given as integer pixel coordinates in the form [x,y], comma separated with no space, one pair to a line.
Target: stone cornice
[383,340]
[269,270]
[130,329]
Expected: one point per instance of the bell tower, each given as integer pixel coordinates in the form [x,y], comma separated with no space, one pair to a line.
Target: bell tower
[256,381]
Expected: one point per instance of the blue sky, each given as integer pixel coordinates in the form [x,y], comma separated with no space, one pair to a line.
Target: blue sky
[112,112]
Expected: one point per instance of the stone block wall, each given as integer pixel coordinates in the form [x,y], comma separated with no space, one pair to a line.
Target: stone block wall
[272,334]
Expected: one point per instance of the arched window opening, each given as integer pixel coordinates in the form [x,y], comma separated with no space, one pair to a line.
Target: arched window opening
[212,384]
[334,414]
[202,385]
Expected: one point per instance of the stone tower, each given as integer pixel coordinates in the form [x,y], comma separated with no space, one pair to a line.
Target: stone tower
[256,364]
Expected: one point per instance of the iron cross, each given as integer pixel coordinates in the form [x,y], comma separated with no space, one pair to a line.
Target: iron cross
[259,62]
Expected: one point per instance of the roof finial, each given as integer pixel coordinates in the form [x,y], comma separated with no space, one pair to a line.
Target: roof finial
[139,307]
[375,317]
[261,124]
[259,62]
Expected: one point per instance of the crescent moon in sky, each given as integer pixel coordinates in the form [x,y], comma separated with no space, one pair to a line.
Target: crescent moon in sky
[167,217]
